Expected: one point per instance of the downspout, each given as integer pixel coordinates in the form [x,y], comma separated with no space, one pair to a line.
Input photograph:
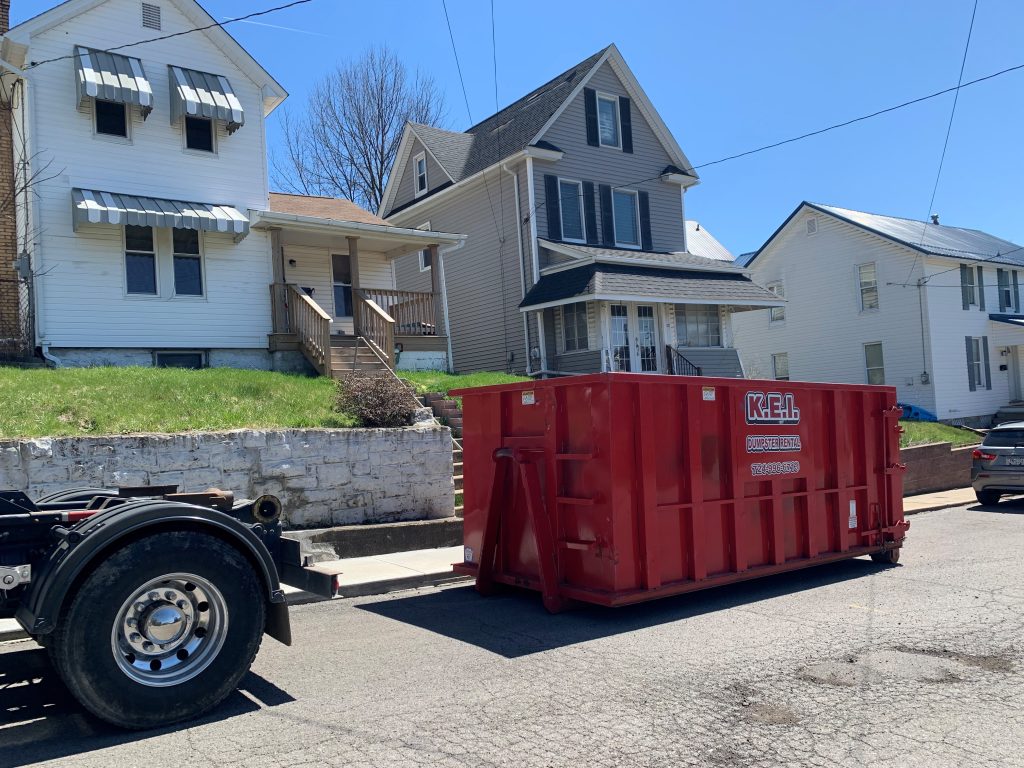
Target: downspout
[522,268]
[444,298]
[56,361]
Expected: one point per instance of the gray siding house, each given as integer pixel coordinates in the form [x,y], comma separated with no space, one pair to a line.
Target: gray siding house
[576,258]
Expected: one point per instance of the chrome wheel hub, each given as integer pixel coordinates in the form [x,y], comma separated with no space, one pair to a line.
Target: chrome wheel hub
[169,630]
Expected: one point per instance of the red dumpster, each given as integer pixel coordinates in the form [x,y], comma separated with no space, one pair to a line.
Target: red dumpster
[615,488]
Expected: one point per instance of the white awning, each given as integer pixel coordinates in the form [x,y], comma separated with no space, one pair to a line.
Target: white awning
[112,77]
[95,207]
[200,94]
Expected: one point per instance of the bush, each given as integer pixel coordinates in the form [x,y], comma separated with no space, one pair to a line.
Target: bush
[376,398]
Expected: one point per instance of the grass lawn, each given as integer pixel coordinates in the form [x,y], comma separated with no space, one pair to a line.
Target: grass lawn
[97,401]
[437,381]
[921,432]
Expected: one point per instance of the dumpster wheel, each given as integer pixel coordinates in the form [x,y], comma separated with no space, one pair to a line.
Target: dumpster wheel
[887,557]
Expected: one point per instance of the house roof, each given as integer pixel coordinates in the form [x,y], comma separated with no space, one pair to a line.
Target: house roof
[700,242]
[335,208]
[521,124]
[624,281]
[678,260]
[927,238]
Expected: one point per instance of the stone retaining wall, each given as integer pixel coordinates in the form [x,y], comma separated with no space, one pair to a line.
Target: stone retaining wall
[935,467]
[323,476]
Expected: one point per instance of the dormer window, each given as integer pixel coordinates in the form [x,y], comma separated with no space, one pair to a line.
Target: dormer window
[420,169]
[608,121]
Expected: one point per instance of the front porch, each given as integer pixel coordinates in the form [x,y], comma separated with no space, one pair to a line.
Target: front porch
[334,297]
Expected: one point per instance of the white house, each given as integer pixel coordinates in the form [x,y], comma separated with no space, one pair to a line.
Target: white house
[150,228]
[931,309]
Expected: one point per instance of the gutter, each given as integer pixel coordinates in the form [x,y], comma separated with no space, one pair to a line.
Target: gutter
[441,253]
[335,226]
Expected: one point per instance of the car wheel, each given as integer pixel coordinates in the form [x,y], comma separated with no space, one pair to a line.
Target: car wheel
[161,631]
[988,498]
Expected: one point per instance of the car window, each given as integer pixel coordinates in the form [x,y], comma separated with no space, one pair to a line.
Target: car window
[1004,438]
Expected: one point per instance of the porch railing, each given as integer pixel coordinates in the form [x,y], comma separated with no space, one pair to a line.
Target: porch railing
[308,321]
[376,326]
[414,313]
[679,365]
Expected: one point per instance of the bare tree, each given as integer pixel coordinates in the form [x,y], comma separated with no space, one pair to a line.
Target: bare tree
[345,142]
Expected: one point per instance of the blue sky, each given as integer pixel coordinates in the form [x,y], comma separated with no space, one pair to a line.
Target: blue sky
[726,76]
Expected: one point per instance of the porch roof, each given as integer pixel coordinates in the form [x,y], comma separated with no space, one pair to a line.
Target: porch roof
[382,238]
[625,282]
[597,253]
[1007,330]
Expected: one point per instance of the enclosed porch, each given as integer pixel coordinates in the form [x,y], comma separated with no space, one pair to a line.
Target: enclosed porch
[334,296]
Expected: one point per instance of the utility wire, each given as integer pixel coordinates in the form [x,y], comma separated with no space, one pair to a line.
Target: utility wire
[253,15]
[945,144]
[458,66]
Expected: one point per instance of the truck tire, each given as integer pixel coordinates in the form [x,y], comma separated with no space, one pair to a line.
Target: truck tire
[161,631]
[888,557]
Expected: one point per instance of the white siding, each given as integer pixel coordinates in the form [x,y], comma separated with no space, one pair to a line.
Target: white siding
[825,330]
[81,295]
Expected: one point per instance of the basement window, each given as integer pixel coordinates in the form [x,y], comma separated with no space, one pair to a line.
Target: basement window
[183,359]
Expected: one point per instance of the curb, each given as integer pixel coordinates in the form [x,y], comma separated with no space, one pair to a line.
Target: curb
[936,507]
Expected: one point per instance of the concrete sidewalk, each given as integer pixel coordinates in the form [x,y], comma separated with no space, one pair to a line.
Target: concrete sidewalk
[377,574]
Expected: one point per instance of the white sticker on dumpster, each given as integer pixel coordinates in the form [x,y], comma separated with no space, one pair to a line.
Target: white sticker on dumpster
[853,514]
[708,393]
[467,555]
[529,398]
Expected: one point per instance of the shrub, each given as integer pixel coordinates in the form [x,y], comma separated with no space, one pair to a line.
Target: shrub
[376,398]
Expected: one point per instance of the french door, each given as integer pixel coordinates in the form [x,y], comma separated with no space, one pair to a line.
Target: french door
[633,337]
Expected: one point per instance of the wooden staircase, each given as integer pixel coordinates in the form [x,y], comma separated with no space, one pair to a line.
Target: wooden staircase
[352,353]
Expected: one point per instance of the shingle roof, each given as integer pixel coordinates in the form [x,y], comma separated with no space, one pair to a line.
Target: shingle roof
[335,208]
[611,280]
[503,133]
[937,239]
[674,259]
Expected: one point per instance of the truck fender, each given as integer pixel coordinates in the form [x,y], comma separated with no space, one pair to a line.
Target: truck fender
[89,541]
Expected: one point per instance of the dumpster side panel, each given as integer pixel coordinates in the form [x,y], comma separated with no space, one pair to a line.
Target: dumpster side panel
[652,485]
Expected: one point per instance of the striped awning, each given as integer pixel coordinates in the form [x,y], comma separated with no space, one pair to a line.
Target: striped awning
[95,207]
[200,94]
[112,77]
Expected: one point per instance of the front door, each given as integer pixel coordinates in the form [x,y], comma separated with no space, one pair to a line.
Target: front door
[633,336]
[341,267]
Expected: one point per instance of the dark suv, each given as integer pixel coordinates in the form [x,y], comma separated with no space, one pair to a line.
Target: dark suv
[998,466]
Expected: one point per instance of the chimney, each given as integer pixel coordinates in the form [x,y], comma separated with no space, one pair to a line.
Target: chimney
[935,216]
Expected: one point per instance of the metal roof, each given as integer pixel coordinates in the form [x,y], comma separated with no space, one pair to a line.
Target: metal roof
[112,77]
[91,206]
[619,281]
[201,94]
[700,242]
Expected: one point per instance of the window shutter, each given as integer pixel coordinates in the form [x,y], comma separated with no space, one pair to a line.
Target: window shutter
[626,123]
[984,354]
[554,207]
[1016,292]
[970,364]
[645,221]
[964,288]
[1001,284]
[607,216]
[590,213]
[981,289]
[590,108]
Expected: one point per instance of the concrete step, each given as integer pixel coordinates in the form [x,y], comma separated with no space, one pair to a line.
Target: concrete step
[380,539]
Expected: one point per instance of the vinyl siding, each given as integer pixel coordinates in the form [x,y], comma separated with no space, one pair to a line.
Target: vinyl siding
[825,330]
[482,278]
[82,298]
[606,165]
[436,176]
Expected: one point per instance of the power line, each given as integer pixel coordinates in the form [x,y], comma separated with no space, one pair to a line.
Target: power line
[458,66]
[253,15]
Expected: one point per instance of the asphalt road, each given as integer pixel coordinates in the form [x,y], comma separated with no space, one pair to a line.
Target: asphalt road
[845,665]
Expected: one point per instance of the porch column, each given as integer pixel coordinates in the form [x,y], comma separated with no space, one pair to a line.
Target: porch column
[278,311]
[435,290]
[353,260]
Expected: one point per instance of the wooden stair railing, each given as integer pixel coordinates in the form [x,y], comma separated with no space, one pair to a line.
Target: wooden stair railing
[309,321]
[376,326]
[414,312]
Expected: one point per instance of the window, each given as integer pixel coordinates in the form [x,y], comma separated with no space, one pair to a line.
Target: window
[188,266]
[1004,438]
[868,278]
[199,134]
[570,198]
[780,366]
[180,360]
[426,260]
[968,286]
[698,325]
[420,167]
[341,266]
[627,217]
[574,327]
[608,121]
[778,314]
[111,118]
[1007,294]
[873,363]
[139,260]
[975,363]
